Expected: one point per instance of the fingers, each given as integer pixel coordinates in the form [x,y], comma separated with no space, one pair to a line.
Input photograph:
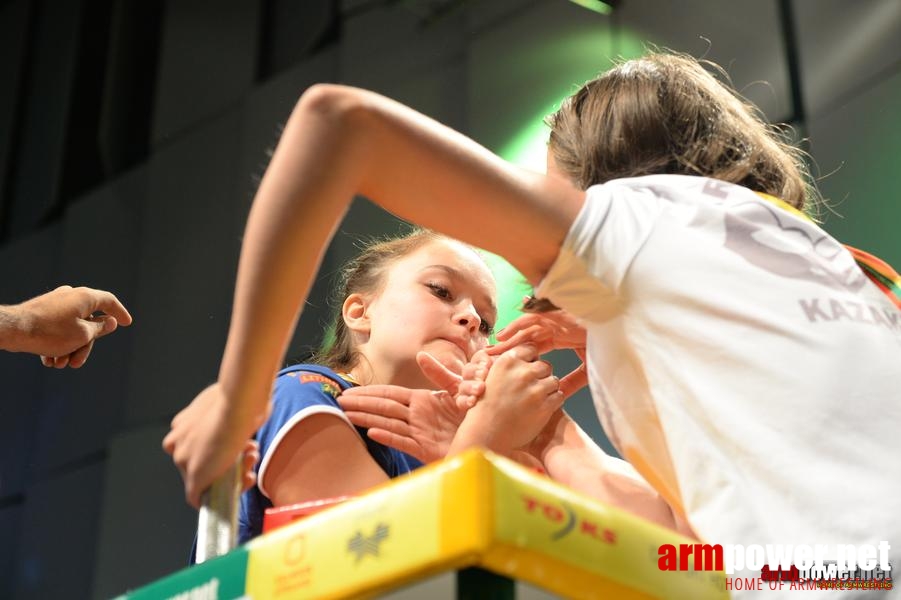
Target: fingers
[103,324]
[108,303]
[555,400]
[399,442]
[80,356]
[524,352]
[386,401]
[169,441]
[542,368]
[473,385]
[475,371]
[193,492]
[466,401]
[97,327]
[518,325]
[575,381]
[532,334]
[480,357]
[248,478]
[437,373]
[374,406]
[249,459]
[369,420]
[473,388]
[74,360]
[393,393]
[549,385]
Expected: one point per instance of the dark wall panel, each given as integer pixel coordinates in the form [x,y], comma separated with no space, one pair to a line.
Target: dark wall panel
[267,109]
[40,153]
[145,528]
[845,48]
[59,535]
[10,530]
[857,149]
[185,266]
[14,24]
[27,268]
[208,58]
[394,43]
[745,38]
[83,407]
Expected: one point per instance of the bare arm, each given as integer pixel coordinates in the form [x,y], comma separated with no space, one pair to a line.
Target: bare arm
[321,457]
[337,143]
[571,457]
[342,141]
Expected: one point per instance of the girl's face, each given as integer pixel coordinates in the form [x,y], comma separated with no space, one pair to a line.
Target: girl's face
[439,299]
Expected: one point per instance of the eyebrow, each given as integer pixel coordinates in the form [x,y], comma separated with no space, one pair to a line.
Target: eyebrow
[456,274]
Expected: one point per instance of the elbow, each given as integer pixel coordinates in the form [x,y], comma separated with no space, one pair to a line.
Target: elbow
[330,103]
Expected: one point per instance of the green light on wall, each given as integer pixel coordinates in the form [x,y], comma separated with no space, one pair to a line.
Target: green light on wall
[528,149]
[528,146]
[595,5]
[539,76]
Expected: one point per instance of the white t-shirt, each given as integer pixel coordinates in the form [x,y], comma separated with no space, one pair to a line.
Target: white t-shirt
[740,360]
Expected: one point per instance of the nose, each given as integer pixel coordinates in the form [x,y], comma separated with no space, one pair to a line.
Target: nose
[468,317]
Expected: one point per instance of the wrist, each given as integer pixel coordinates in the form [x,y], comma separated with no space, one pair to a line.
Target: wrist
[483,432]
[13,329]
[550,437]
[527,460]
[246,407]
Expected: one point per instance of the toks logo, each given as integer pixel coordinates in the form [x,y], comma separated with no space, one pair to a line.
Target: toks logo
[569,521]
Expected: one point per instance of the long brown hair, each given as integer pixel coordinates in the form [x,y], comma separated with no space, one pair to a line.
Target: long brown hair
[665,113]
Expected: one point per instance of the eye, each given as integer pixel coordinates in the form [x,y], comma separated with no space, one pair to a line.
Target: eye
[486,327]
[439,290]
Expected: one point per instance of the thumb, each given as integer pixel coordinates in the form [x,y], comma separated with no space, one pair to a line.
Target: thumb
[575,381]
[437,373]
[102,325]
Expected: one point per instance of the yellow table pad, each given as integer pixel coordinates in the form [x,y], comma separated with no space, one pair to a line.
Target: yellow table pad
[474,509]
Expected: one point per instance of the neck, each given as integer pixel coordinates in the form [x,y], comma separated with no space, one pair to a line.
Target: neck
[367,372]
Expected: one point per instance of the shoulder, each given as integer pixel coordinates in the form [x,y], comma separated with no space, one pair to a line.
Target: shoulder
[309,379]
[302,390]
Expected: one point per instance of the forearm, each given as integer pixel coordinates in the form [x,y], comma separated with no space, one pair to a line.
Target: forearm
[301,200]
[572,458]
[10,329]
[481,429]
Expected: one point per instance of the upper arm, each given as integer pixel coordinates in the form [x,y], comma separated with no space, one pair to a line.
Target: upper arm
[319,457]
[431,175]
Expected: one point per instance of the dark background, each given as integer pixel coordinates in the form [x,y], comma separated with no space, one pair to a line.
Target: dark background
[132,136]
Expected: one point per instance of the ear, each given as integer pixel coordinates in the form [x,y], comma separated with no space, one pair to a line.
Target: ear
[355,312]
